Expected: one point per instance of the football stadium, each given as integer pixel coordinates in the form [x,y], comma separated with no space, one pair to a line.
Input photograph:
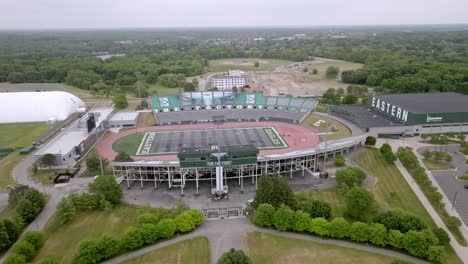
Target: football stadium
[222,137]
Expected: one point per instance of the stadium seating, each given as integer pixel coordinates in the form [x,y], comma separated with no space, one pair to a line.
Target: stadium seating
[202,106]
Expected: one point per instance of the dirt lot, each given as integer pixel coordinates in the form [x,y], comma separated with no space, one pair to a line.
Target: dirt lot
[297,82]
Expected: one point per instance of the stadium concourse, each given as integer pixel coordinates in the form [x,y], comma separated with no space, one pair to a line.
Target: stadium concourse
[296,138]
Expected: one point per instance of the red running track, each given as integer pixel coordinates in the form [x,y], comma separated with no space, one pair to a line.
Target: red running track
[297,137]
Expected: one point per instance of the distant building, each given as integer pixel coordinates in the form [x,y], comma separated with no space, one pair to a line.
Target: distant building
[234,78]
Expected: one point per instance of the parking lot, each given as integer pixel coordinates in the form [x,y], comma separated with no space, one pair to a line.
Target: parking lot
[451,186]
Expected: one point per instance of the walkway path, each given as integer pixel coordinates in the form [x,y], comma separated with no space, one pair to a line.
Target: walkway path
[226,234]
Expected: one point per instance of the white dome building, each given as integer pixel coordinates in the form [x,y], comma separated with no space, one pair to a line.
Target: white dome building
[27,107]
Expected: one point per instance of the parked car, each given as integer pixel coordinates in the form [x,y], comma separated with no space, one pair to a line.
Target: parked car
[466,186]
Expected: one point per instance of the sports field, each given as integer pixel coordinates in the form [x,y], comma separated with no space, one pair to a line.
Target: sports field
[166,142]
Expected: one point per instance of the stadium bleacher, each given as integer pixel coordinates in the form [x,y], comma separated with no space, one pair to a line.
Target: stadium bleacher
[202,106]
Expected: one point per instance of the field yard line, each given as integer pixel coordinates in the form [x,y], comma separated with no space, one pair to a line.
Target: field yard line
[141,143]
[280,137]
[285,145]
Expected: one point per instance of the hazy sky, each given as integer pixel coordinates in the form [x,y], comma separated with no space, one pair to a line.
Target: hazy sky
[42,14]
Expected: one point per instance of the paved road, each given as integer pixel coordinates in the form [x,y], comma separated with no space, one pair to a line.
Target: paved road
[226,234]
[448,182]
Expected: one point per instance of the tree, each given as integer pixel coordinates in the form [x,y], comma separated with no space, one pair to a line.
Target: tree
[442,236]
[385,148]
[149,233]
[436,254]
[5,241]
[339,160]
[350,99]
[48,160]
[132,239]
[26,249]
[195,82]
[350,177]
[319,226]
[189,87]
[274,190]
[256,64]
[122,156]
[107,188]
[339,228]
[360,232]
[197,216]
[305,70]
[166,228]
[264,215]
[370,141]
[453,222]
[48,260]
[301,221]
[390,157]
[379,235]
[400,220]
[26,210]
[35,238]
[92,162]
[417,243]
[184,222]
[395,239]
[148,218]
[120,101]
[234,257]
[332,72]
[315,208]
[314,71]
[65,210]
[16,259]
[360,203]
[283,219]
[12,231]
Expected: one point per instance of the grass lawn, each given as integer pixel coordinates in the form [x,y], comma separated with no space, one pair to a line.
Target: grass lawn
[45,177]
[331,196]
[157,89]
[21,135]
[128,144]
[267,248]
[63,241]
[437,165]
[6,165]
[324,64]
[245,64]
[336,129]
[194,250]
[145,119]
[391,190]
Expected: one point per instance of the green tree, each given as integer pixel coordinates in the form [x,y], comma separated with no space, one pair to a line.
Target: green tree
[166,228]
[35,238]
[360,203]
[5,241]
[189,87]
[339,228]
[379,235]
[395,239]
[370,141]
[148,218]
[442,236]
[385,148]
[390,157]
[339,160]
[106,187]
[26,210]
[234,257]
[16,259]
[315,208]
[301,221]
[48,160]
[122,156]
[314,71]
[319,226]
[197,216]
[195,82]
[149,233]
[12,229]
[274,190]
[132,238]
[283,218]
[417,243]
[350,177]
[401,220]
[256,64]
[120,101]
[360,232]
[24,248]
[332,72]
[436,254]
[305,70]
[264,215]
[65,210]
[185,222]
[92,162]
[453,222]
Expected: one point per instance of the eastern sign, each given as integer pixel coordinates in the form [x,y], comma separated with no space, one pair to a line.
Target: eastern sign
[390,109]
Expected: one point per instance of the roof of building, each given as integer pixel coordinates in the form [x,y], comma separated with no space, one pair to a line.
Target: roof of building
[74,134]
[213,149]
[217,77]
[362,116]
[23,107]
[422,103]
[121,116]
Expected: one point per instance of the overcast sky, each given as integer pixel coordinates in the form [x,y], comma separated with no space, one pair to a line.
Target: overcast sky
[44,14]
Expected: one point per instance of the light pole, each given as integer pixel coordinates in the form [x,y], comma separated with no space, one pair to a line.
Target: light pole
[454,200]
[137,75]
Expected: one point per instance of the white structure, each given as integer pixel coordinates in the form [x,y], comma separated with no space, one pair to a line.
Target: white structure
[26,107]
[234,78]
[123,119]
[237,73]
[69,145]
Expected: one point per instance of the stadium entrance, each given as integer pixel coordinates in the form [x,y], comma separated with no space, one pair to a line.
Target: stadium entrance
[224,160]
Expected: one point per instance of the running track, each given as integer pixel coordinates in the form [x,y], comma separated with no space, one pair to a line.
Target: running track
[297,137]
